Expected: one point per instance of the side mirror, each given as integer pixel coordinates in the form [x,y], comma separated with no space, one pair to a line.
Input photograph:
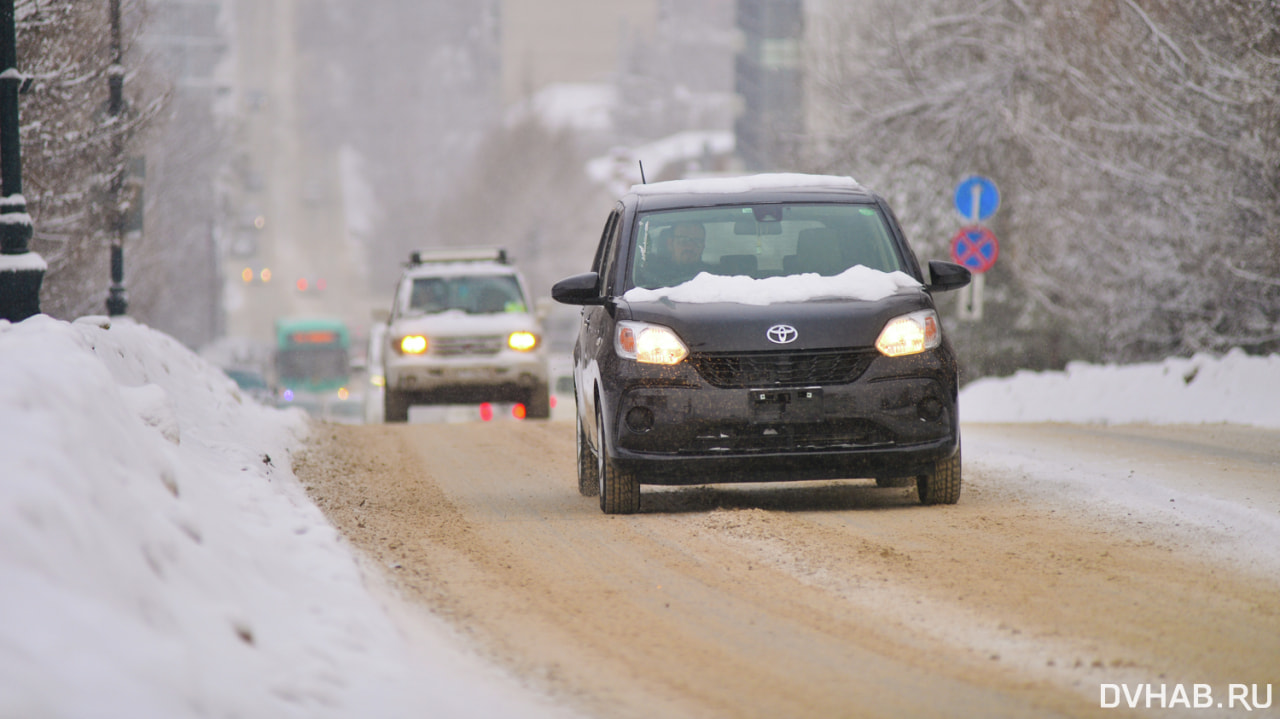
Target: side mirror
[945,276]
[583,289]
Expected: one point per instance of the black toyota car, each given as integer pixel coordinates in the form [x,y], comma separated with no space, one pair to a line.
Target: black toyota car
[760,329]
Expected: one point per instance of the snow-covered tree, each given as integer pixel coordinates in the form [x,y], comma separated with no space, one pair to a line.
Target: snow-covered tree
[1136,144]
[70,141]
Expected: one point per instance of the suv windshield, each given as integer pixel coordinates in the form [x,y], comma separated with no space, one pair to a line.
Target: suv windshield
[758,241]
[473,294]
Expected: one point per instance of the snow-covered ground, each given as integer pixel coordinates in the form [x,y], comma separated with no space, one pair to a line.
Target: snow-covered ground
[1236,388]
[159,559]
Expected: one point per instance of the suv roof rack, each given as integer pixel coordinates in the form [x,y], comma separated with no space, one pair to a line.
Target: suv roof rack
[485,254]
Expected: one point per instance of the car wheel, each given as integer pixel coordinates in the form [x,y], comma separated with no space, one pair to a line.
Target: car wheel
[588,472]
[942,485]
[538,404]
[619,490]
[395,406]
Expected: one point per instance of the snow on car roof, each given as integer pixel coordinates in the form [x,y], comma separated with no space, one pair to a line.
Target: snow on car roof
[855,283]
[747,183]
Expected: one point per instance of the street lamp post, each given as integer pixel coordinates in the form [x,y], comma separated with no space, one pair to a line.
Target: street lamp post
[117,299]
[21,271]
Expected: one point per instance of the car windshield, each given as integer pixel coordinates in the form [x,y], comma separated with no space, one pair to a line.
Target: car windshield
[473,294]
[759,241]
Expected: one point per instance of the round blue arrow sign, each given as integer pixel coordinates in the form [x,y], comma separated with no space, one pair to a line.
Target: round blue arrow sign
[977,198]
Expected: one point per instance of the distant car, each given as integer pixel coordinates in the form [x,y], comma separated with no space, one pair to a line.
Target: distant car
[253,383]
[800,341]
[461,331]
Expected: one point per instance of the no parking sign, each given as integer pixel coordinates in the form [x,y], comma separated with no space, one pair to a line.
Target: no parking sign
[975,247]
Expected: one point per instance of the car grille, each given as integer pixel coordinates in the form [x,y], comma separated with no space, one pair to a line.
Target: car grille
[782,369]
[463,346]
[754,438]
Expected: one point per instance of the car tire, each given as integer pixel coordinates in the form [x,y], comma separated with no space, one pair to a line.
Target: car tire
[588,472]
[619,490]
[942,485]
[395,406]
[538,404]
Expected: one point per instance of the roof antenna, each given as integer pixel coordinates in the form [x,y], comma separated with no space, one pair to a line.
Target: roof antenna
[642,180]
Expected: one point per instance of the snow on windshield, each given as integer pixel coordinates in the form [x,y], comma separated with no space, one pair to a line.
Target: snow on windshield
[856,283]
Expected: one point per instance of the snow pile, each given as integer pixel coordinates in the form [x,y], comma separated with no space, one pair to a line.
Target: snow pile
[159,559]
[1236,388]
[855,283]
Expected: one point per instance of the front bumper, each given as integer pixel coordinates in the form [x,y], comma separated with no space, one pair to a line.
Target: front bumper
[428,374]
[897,419]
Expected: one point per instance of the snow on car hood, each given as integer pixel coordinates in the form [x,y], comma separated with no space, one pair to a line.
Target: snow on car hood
[855,283]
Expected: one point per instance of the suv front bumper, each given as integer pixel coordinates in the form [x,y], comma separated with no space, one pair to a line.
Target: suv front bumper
[460,373]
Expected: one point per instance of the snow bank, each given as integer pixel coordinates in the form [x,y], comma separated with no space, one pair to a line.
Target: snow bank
[1236,388]
[159,559]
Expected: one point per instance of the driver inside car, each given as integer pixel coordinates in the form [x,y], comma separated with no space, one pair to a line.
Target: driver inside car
[677,257]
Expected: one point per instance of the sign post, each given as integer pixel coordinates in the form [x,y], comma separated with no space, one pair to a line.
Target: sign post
[974,246]
[21,270]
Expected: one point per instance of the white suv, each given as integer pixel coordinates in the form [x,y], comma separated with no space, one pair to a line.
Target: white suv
[461,331]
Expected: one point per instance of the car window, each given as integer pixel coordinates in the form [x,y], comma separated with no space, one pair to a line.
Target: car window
[473,294]
[608,259]
[597,265]
[760,241]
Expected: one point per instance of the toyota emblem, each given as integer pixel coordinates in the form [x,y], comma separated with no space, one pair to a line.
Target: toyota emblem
[782,334]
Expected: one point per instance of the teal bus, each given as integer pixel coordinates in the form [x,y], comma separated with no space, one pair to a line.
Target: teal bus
[313,357]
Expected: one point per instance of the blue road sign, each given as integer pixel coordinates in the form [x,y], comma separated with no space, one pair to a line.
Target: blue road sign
[977,198]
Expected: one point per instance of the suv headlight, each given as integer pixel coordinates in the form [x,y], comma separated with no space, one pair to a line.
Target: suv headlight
[412,345]
[522,341]
[652,344]
[910,334]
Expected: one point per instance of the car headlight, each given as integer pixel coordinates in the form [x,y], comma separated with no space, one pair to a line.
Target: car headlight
[653,344]
[522,341]
[910,334]
[413,344]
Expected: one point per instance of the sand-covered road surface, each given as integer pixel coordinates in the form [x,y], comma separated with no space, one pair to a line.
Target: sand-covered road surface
[831,599]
